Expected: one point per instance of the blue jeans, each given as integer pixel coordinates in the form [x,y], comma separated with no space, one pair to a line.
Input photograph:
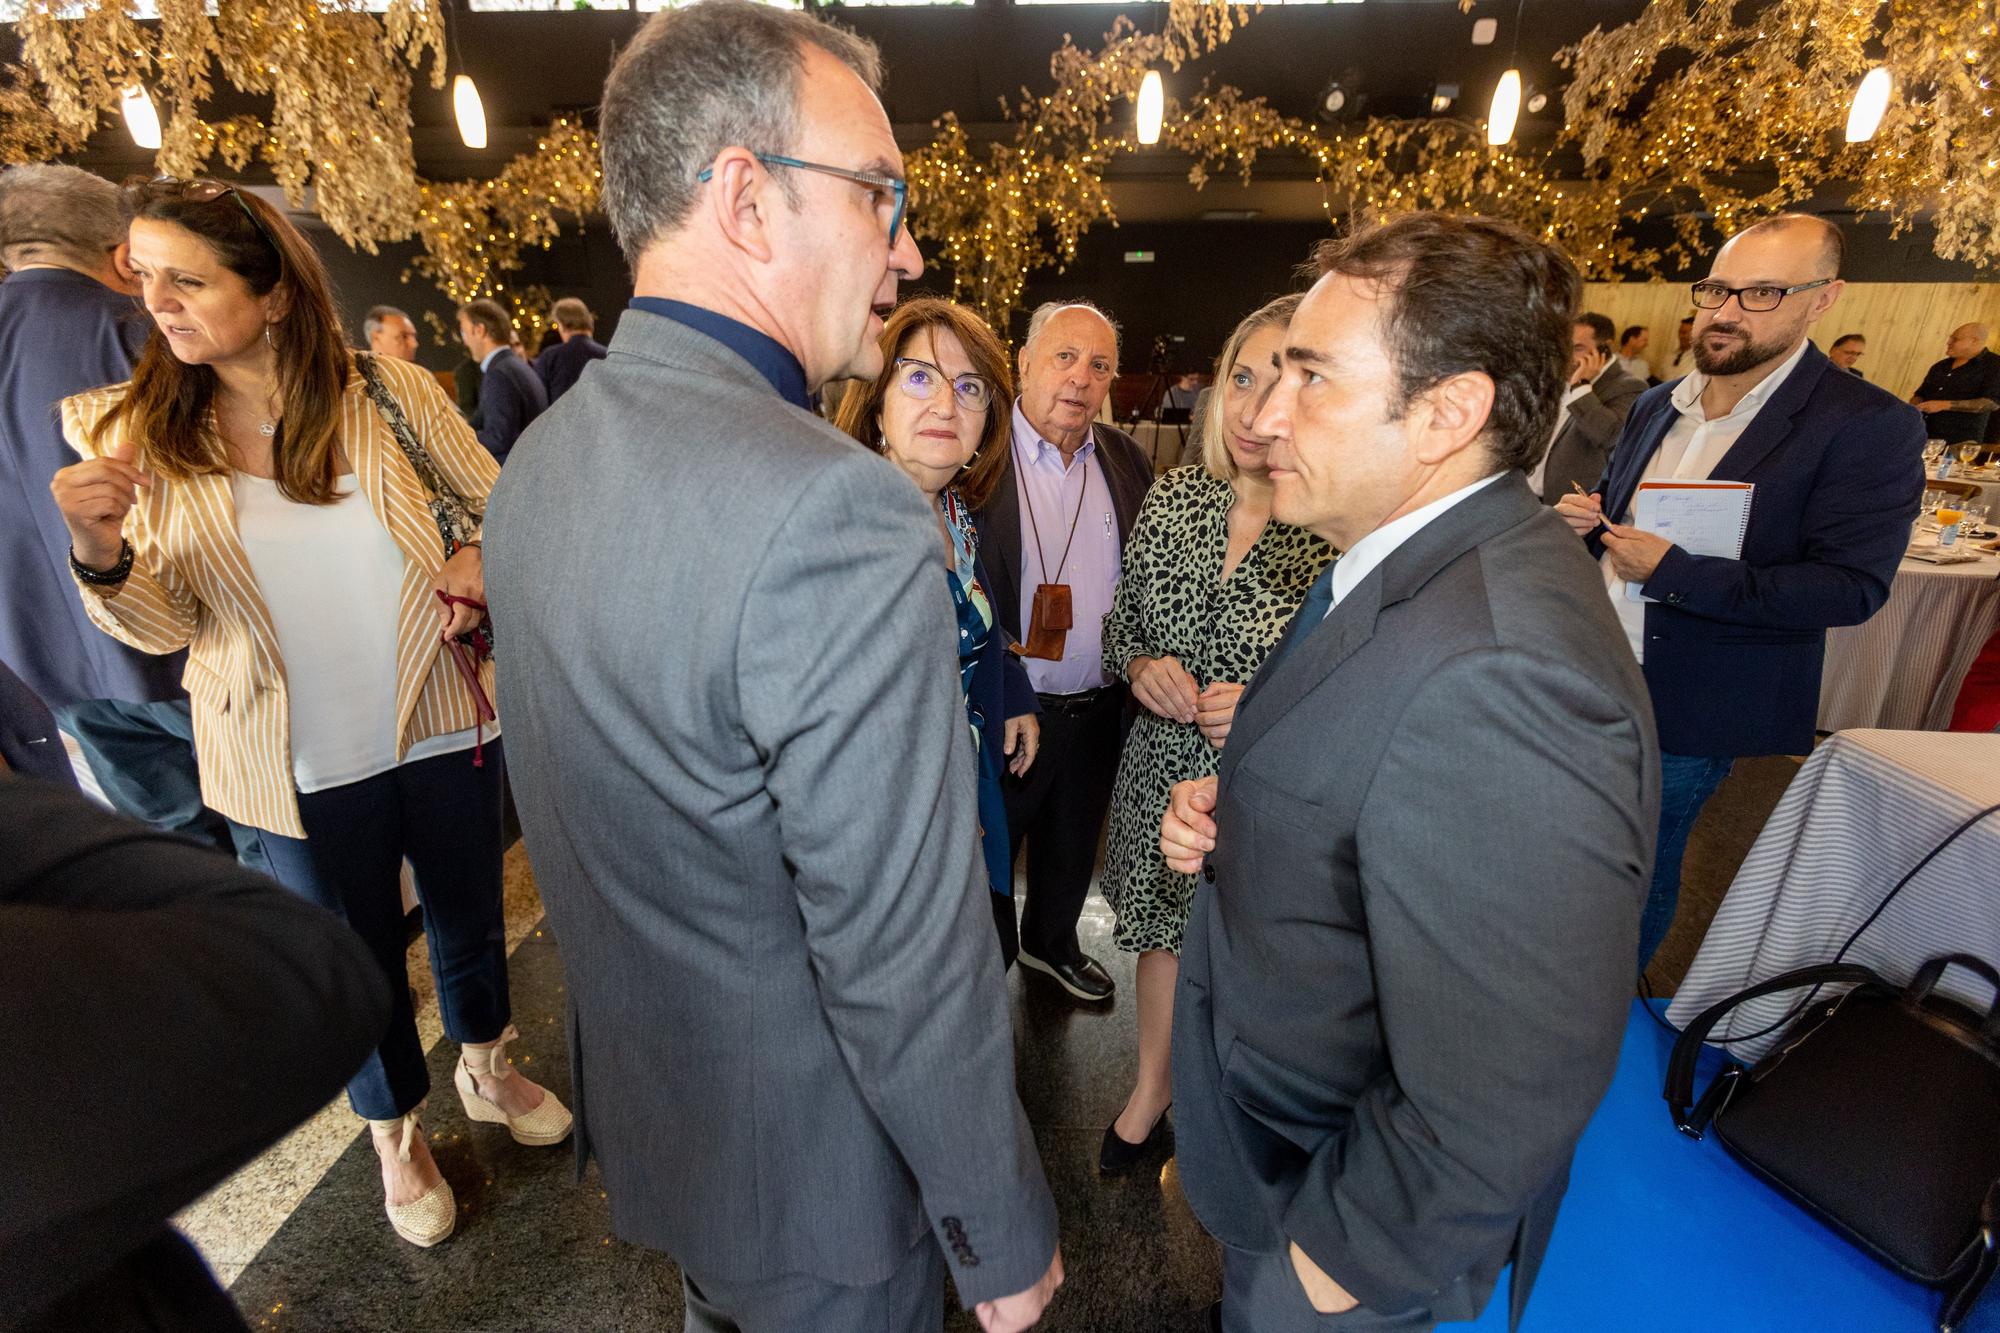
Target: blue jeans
[1686,783]
[445,816]
[142,756]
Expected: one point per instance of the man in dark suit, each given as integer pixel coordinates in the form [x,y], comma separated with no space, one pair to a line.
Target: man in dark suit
[1407,971]
[737,735]
[1732,648]
[560,363]
[1594,407]
[510,393]
[1847,349]
[69,322]
[1058,518]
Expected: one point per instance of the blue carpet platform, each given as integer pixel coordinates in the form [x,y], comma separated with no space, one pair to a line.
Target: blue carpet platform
[1661,1234]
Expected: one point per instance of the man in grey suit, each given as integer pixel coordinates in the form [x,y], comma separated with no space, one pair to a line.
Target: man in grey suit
[1421,868]
[1594,407]
[737,737]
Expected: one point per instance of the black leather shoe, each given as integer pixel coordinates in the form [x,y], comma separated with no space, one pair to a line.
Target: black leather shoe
[1084,977]
[1117,1157]
[1215,1318]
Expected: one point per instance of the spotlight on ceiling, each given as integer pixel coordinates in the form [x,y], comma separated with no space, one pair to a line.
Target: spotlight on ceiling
[142,118]
[1506,108]
[1442,97]
[1871,100]
[471,112]
[1538,102]
[1152,106]
[1484,31]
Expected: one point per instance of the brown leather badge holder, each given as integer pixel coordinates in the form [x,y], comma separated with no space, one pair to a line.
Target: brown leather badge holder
[1049,621]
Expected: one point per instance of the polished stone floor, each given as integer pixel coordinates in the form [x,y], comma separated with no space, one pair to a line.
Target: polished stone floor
[301,1239]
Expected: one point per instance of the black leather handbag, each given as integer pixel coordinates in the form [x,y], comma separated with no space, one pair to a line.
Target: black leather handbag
[1878,1112]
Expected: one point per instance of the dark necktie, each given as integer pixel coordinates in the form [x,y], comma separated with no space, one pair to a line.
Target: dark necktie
[1319,600]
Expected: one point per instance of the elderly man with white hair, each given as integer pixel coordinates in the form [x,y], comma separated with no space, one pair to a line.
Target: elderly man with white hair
[1054,535]
[69,321]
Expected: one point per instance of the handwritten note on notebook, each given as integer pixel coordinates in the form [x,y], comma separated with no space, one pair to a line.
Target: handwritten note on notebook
[1700,517]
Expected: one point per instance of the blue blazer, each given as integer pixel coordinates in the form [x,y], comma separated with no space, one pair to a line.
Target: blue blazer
[1000,688]
[60,334]
[510,396]
[560,364]
[1734,647]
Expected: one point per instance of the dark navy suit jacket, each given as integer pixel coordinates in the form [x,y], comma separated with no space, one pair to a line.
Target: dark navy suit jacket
[60,334]
[560,364]
[510,396]
[1734,647]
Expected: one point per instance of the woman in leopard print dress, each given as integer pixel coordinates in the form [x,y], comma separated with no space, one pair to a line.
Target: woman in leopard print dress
[1208,586]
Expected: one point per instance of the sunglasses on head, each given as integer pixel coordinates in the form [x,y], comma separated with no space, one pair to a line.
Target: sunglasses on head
[207,191]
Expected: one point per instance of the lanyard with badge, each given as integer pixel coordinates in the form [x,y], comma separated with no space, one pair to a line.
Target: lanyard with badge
[1049,616]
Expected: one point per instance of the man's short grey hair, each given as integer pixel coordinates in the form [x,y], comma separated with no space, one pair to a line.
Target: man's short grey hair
[52,214]
[1048,310]
[377,316]
[572,316]
[697,80]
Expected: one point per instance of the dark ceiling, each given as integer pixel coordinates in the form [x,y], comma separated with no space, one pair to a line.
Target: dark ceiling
[1390,54]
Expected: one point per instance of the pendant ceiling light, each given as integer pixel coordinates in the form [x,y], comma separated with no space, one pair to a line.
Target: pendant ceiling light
[142,118]
[1152,106]
[1871,100]
[1506,108]
[471,112]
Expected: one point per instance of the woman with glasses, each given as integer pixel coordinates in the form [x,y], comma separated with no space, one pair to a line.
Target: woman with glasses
[264,499]
[1208,586]
[936,411]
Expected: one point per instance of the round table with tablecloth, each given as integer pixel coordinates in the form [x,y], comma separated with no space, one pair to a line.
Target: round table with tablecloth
[1902,668]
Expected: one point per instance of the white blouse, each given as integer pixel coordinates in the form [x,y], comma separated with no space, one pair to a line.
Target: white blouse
[332,578]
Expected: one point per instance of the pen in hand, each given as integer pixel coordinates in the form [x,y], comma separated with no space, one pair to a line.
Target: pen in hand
[1577,486]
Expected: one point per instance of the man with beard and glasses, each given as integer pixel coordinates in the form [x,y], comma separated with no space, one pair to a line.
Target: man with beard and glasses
[1732,648]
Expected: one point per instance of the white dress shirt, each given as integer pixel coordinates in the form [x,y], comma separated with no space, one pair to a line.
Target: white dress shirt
[1637,367]
[1379,545]
[1689,451]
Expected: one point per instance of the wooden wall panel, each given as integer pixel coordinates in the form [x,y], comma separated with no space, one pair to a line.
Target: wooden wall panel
[1905,322]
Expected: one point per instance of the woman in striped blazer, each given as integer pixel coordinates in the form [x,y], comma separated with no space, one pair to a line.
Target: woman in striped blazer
[243,498]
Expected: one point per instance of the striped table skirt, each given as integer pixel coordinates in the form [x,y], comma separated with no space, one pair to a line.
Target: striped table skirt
[1864,809]
[1902,669]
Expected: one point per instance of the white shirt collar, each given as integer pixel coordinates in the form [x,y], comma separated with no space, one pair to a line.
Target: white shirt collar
[486,363]
[1361,559]
[1687,394]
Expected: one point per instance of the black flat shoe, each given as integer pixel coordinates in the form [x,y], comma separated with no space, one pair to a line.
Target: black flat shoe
[1083,978]
[1117,1157]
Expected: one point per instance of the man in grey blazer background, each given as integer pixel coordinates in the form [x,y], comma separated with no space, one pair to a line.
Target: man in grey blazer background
[1593,411]
[736,734]
[1422,864]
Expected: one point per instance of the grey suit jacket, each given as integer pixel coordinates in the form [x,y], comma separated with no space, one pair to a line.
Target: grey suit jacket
[738,746]
[1410,956]
[1583,446]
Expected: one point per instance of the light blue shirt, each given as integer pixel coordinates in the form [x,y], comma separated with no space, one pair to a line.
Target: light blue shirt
[1050,493]
[486,362]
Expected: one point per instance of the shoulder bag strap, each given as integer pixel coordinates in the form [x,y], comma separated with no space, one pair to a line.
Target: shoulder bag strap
[419,457]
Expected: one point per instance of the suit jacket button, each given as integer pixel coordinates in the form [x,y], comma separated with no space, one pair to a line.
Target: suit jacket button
[1208,873]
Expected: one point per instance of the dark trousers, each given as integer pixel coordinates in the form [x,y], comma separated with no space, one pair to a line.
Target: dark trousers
[1686,783]
[142,756]
[1059,809]
[910,1301]
[445,816]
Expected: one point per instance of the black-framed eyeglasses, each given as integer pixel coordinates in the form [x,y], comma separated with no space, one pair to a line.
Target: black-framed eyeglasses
[900,188]
[207,191]
[919,379]
[1714,295]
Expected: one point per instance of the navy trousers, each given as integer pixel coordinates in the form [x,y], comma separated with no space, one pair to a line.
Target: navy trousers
[445,816]
[142,756]
[1686,783]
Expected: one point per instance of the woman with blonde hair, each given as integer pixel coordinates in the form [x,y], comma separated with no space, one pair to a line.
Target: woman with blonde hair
[1209,584]
[281,508]
[938,411]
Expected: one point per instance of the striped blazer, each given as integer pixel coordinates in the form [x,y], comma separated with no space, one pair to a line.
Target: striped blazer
[192,587]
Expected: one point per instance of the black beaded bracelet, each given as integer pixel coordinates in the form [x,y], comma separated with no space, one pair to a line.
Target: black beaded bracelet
[104,578]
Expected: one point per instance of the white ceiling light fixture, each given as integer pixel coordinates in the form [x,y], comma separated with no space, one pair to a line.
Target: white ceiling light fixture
[1152,106]
[142,118]
[469,110]
[1484,31]
[1506,109]
[1871,101]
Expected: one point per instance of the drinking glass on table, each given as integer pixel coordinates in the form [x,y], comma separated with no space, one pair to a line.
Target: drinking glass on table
[1933,450]
[1948,529]
[1967,452]
[1975,516]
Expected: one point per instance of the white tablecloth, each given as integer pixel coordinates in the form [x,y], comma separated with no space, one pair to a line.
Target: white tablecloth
[1864,809]
[1902,669]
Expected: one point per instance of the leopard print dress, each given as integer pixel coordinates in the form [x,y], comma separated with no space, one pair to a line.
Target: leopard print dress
[1172,602]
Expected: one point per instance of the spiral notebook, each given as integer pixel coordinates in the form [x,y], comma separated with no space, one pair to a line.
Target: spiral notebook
[1700,517]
